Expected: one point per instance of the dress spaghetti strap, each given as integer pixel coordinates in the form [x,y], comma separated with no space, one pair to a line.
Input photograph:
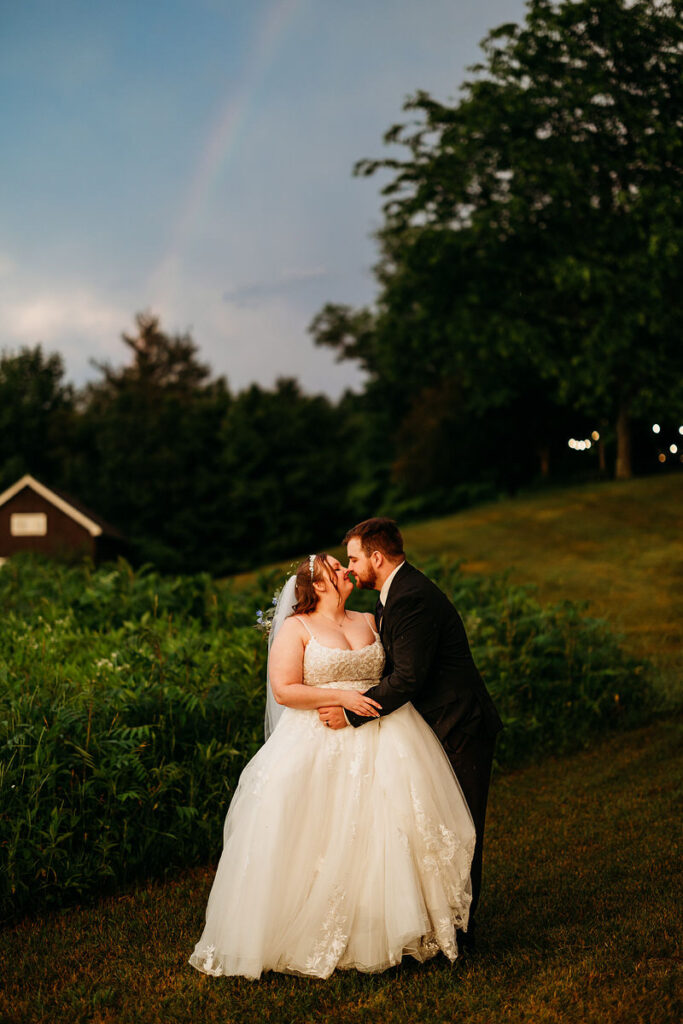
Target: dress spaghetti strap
[302,619]
[372,626]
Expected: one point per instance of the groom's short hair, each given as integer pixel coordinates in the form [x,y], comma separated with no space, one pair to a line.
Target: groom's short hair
[378,534]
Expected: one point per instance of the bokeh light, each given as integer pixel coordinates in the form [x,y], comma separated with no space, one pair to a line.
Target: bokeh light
[582,446]
[655,428]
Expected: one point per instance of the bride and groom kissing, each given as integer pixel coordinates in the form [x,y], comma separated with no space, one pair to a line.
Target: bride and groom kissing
[355,834]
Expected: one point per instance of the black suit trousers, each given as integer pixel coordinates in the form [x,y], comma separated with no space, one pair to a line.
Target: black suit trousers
[472,760]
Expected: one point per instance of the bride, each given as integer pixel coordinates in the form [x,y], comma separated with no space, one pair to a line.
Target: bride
[343,848]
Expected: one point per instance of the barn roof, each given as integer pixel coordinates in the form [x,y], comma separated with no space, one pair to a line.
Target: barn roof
[94,524]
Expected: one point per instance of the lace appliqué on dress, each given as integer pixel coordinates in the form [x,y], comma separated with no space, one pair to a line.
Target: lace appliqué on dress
[332,940]
[204,959]
[342,669]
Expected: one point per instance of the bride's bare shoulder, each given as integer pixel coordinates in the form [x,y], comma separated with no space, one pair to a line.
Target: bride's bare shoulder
[291,629]
[367,616]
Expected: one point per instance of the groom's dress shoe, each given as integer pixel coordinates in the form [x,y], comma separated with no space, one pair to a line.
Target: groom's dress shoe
[466,942]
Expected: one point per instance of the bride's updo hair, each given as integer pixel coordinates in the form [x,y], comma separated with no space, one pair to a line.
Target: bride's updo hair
[306,597]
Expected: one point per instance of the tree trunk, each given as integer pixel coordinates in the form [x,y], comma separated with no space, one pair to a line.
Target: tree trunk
[601,456]
[623,467]
[544,456]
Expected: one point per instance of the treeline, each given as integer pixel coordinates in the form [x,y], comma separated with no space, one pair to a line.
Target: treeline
[196,477]
[528,293]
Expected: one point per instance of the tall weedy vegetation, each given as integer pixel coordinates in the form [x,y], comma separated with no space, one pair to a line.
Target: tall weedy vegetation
[130,701]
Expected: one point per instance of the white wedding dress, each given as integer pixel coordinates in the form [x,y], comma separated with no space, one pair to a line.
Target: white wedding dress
[342,848]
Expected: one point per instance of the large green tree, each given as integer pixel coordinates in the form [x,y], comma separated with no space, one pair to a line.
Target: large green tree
[533,232]
[147,450]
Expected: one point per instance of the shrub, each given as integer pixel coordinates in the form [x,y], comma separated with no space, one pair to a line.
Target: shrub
[558,677]
[130,702]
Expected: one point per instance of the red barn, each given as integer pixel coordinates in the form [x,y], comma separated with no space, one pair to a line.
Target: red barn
[34,517]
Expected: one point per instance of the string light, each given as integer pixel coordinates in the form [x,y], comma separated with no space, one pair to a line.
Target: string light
[662,457]
[673,448]
[655,428]
[579,446]
[596,436]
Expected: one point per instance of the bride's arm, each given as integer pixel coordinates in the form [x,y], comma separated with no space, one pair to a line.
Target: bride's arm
[286,669]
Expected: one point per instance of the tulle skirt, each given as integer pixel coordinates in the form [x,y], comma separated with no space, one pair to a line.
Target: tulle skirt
[342,848]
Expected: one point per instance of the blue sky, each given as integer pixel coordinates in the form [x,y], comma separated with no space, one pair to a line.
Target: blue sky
[194,157]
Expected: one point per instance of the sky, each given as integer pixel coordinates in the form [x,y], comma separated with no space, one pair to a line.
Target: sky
[193,158]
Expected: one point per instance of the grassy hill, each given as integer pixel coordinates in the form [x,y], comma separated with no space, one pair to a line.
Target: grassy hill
[581,904]
[618,545]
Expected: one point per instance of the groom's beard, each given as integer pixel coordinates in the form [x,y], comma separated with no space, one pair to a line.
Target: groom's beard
[368,581]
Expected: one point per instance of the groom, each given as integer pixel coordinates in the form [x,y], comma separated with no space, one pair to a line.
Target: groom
[428,662]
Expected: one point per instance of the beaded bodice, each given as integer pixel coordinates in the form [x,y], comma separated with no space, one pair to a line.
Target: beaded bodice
[343,669]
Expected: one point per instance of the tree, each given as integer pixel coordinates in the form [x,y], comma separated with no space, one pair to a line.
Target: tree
[533,232]
[286,471]
[147,450]
[161,362]
[36,410]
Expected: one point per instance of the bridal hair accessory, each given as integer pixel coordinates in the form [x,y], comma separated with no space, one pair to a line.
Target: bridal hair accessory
[311,564]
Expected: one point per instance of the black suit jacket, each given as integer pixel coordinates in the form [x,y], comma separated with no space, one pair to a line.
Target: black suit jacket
[428,661]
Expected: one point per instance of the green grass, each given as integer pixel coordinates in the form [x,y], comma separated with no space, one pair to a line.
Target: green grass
[582,902]
[618,545]
[579,922]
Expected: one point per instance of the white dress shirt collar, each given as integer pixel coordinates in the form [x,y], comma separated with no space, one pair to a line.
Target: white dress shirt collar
[384,592]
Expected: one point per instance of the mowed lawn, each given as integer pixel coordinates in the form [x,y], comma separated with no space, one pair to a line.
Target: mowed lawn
[617,544]
[580,922]
[582,904]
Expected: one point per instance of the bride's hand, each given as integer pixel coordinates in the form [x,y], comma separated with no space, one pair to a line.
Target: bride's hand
[361,704]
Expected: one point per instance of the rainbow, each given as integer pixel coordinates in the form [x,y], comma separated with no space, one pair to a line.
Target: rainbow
[223,137]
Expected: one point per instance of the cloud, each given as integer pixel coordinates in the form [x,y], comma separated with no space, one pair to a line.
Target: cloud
[71,319]
[245,294]
[253,331]
[296,274]
[259,340]
[50,316]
